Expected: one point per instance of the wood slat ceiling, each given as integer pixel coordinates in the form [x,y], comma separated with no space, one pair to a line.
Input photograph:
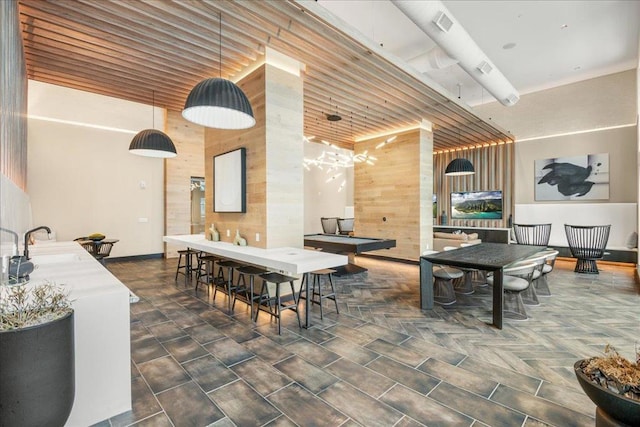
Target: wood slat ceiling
[139,49]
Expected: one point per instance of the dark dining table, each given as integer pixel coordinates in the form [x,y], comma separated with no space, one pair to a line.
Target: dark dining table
[491,257]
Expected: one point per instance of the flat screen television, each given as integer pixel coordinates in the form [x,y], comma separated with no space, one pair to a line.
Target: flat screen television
[476,205]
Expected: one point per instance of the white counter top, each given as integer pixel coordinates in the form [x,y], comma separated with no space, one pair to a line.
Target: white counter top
[287,259]
[101,311]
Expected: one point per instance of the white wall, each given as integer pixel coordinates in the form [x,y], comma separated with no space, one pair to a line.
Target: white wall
[15,213]
[590,104]
[83,180]
[589,117]
[322,198]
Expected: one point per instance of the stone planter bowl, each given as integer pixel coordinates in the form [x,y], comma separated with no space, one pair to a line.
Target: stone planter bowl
[616,406]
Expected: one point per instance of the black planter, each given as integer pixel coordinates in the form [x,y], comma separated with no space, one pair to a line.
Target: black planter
[37,374]
[613,409]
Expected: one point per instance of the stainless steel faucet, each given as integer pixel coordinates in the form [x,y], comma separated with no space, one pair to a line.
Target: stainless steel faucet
[28,234]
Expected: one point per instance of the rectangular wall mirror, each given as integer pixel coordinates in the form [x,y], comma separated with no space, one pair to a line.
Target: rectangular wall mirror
[229,174]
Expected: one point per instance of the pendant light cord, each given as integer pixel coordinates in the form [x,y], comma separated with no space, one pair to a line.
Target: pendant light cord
[153,109]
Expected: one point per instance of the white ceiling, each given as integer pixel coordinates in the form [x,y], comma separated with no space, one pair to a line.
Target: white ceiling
[556,42]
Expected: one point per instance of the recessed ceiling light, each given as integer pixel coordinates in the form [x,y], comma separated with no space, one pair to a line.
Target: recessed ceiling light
[563,26]
[509,46]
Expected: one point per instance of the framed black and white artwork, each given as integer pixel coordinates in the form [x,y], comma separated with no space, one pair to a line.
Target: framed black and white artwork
[584,177]
[230,185]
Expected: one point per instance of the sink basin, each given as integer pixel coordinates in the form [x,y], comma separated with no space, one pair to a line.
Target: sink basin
[54,259]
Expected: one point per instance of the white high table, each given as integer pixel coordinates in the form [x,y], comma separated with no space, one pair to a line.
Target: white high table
[285,260]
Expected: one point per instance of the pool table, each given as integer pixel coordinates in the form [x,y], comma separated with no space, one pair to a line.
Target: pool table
[349,245]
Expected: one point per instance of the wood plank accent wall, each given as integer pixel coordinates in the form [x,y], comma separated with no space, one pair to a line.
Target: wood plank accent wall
[13,97]
[189,141]
[219,141]
[494,166]
[275,198]
[398,187]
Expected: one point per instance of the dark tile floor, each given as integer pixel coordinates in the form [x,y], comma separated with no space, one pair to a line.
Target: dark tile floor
[380,362]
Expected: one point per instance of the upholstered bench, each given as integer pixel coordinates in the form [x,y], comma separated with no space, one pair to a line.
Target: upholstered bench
[440,239]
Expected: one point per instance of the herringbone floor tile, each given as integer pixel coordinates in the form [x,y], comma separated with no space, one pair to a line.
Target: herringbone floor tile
[381,361]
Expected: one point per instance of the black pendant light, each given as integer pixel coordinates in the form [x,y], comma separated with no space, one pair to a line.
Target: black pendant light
[218,103]
[459,167]
[152,142]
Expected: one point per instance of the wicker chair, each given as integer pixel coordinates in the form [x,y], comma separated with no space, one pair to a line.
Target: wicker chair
[587,243]
[532,234]
[103,250]
[517,278]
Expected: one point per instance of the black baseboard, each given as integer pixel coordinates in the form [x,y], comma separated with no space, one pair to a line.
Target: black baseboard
[134,257]
[612,255]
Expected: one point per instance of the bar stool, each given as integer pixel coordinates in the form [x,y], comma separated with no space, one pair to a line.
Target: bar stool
[201,266]
[289,303]
[205,274]
[249,293]
[231,266]
[316,277]
[187,268]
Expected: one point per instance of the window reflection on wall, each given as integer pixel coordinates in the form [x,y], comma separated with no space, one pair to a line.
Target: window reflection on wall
[197,205]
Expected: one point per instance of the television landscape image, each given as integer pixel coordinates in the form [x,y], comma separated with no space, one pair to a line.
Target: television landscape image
[476,205]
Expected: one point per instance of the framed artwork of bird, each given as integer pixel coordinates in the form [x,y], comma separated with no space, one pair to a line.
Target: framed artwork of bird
[584,177]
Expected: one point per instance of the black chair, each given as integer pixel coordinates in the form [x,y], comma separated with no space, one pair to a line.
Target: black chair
[532,234]
[103,250]
[329,225]
[345,225]
[587,244]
